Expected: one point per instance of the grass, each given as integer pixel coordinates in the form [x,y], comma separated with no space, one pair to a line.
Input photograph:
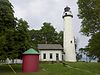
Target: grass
[78,68]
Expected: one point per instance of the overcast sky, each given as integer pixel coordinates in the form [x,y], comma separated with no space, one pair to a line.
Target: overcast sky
[35,12]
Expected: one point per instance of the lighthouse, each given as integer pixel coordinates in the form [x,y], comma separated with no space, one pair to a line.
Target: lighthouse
[68,42]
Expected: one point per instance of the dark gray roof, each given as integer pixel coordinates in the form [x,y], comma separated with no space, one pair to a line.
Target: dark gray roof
[49,47]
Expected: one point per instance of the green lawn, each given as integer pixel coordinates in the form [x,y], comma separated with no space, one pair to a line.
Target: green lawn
[80,68]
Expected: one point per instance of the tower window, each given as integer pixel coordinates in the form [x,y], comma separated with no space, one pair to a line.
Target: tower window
[70,41]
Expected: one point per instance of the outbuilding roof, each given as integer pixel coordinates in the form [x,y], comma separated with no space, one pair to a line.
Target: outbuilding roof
[50,47]
[31,51]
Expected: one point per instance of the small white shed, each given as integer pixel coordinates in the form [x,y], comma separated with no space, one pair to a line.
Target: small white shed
[50,52]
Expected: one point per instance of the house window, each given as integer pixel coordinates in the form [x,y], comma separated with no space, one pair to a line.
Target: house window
[50,55]
[57,56]
[44,56]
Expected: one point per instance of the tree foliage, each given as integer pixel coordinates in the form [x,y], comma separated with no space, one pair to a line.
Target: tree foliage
[7,20]
[60,38]
[89,12]
[7,26]
[46,35]
[14,33]
[94,45]
[22,37]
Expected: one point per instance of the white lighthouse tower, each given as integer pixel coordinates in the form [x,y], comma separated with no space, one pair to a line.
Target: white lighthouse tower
[68,43]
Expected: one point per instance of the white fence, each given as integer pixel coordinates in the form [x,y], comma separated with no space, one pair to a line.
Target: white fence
[8,61]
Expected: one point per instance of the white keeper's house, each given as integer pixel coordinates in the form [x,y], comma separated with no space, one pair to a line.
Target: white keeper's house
[50,52]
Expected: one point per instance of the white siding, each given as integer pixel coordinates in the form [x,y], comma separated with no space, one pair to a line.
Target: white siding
[47,52]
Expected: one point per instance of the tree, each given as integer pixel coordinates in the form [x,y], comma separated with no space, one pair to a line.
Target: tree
[78,53]
[2,44]
[48,33]
[14,33]
[78,56]
[36,37]
[89,12]
[23,38]
[94,45]
[84,51]
[87,53]
[7,19]
[60,38]
[7,26]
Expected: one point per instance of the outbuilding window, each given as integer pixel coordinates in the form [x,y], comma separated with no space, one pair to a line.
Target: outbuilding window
[44,56]
[50,55]
[57,56]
